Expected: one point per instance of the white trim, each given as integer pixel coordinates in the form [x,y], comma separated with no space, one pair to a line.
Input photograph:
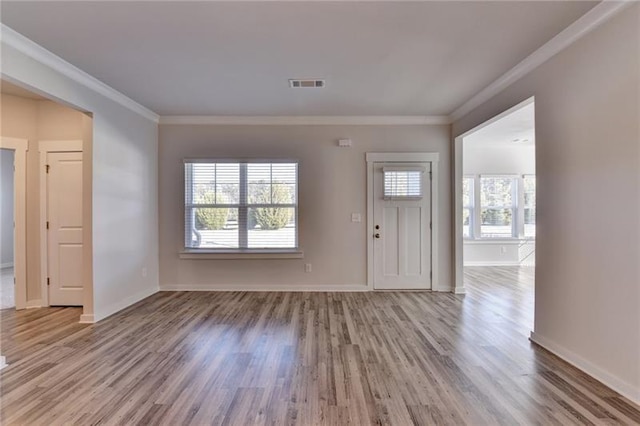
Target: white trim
[33,50]
[6,265]
[3,362]
[623,388]
[20,148]
[492,263]
[595,17]
[119,305]
[45,147]
[36,303]
[265,287]
[404,157]
[257,254]
[305,120]
[87,319]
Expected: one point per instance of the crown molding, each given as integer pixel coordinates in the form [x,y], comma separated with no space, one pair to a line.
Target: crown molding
[595,17]
[14,39]
[304,120]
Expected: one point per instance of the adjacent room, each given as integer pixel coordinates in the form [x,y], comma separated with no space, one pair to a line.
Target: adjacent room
[310,212]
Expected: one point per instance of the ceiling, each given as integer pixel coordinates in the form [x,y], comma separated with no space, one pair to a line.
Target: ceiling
[235,58]
[515,129]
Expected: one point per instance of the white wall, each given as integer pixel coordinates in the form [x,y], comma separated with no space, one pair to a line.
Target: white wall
[332,185]
[486,159]
[588,160]
[124,186]
[6,207]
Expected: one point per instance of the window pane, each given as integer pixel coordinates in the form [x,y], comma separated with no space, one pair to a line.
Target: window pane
[215,227]
[467,192]
[215,183]
[496,191]
[466,223]
[271,227]
[284,173]
[403,184]
[496,223]
[259,173]
[259,193]
[530,222]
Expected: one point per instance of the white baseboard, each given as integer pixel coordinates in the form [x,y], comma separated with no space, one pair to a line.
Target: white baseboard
[491,263]
[36,303]
[6,265]
[3,362]
[623,388]
[460,290]
[119,305]
[263,287]
[87,319]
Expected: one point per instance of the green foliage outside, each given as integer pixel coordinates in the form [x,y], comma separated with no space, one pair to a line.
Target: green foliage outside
[210,219]
[270,218]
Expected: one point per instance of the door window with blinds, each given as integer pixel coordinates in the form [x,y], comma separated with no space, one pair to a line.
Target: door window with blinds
[402,183]
[241,205]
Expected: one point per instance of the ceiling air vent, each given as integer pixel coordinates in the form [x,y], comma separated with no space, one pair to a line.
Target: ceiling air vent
[306,83]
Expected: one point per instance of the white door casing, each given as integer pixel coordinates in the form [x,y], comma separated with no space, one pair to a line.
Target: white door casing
[401,254]
[62,245]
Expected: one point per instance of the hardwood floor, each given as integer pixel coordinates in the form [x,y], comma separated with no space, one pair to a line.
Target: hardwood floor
[301,358]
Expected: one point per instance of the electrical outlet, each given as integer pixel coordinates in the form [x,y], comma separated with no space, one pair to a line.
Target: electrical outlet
[307,267]
[355,217]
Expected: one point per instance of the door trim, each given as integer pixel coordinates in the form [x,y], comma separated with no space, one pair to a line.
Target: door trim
[20,148]
[404,157]
[45,147]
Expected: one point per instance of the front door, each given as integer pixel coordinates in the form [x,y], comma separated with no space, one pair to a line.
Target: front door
[64,216]
[402,226]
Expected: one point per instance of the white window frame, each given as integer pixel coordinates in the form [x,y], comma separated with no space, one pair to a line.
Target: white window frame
[243,207]
[515,234]
[523,206]
[471,207]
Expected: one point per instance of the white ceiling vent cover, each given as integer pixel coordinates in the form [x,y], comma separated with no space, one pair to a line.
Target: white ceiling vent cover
[306,83]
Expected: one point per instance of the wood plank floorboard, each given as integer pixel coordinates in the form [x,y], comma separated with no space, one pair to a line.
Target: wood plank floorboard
[238,358]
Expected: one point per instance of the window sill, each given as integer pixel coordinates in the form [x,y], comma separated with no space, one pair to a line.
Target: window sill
[502,241]
[241,254]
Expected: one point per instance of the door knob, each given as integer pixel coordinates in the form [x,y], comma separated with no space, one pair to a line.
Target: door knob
[377,235]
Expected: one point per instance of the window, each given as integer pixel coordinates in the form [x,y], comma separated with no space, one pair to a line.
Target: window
[234,206]
[467,206]
[498,206]
[529,205]
[402,182]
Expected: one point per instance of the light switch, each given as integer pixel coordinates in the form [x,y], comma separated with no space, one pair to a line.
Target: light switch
[355,217]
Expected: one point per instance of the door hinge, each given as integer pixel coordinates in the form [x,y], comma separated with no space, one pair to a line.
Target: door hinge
[48,281]
[430,175]
[47,167]
[47,224]
[431,275]
[430,225]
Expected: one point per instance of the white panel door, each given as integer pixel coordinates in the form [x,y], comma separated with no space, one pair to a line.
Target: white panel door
[402,233]
[64,216]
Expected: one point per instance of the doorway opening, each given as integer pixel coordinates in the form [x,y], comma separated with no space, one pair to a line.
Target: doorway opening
[496,203]
[52,256]
[7,237]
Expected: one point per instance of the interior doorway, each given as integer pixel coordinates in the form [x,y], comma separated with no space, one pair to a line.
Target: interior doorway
[496,203]
[12,223]
[7,277]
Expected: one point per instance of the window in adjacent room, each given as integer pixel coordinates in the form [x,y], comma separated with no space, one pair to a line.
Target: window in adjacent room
[529,205]
[497,206]
[241,205]
[468,202]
